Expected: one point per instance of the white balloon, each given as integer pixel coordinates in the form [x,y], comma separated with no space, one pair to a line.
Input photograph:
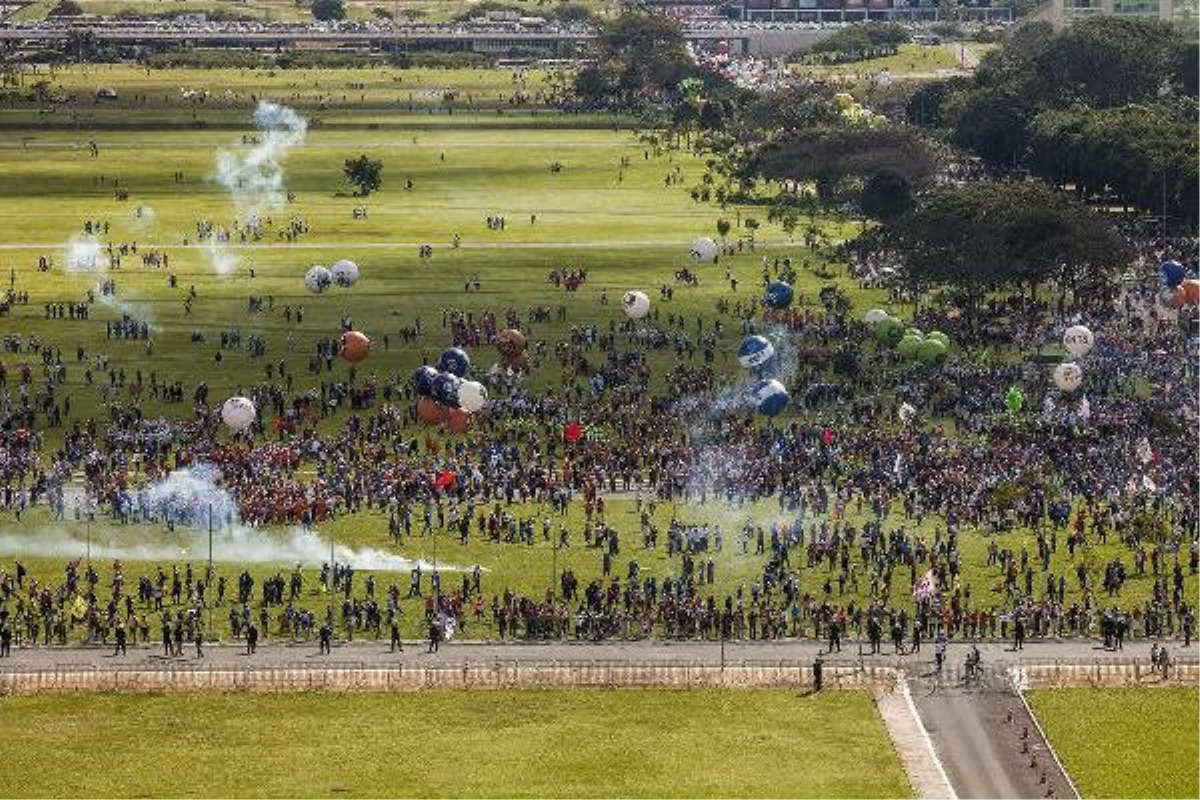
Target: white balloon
[344,272]
[704,250]
[636,304]
[907,413]
[472,396]
[875,316]
[1078,340]
[1068,376]
[318,279]
[238,413]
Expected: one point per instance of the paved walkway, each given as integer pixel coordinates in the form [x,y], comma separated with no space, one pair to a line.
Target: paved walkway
[371,651]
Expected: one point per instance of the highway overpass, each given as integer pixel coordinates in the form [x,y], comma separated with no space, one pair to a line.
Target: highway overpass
[759,39]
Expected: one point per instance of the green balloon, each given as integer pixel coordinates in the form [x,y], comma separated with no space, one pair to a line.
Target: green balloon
[909,346]
[1014,399]
[931,352]
[888,331]
[938,336]
[915,333]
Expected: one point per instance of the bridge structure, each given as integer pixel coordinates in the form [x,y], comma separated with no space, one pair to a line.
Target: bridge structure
[757,39]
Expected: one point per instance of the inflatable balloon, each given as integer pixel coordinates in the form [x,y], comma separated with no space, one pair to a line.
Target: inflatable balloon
[769,397]
[318,279]
[422,379]
[755,351]
[779,295]
[344,272]
[875,316]
[704,250]
[572,432]
[238,413]
[355,346]
[914,332]
[931,352]
[1068,376]
[1191,292]
[907,413]
[445,389]
[844,100]
[472,396]
[510,342]
[636,304]
[909,345]
[1078,340]
[938,336]
[889,331]
[458,420]
[455,361]
[1173,273]
[430,411]
[1014,399]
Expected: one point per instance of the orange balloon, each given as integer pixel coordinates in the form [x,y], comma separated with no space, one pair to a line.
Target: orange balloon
[1191,292]
[510,342]
[430,411]
[518,363]
[355,346]
[458,420]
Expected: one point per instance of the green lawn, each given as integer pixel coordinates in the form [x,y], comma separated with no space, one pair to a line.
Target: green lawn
[1125,742]
[553,743]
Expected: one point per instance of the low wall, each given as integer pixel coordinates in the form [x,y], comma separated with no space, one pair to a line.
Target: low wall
[407,679]
[1050,676]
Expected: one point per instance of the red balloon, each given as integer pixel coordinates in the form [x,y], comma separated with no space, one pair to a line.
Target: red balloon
[445,480]
[355,346]
[572,432]
[458,420]
[430,411]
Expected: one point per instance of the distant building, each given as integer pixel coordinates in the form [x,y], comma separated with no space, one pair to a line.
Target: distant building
[1069,10]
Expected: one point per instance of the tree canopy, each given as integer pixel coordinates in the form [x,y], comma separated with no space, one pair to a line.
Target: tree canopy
[984,236]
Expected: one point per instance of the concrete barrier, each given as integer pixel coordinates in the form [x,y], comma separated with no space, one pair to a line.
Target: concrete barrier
[1049,676]
[401,678]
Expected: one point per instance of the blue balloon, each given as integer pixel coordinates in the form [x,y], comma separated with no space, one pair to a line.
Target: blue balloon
[755,351]
[779,295]
[1173,273]
[455,361]
[423,378]
[769,397]
[445,389]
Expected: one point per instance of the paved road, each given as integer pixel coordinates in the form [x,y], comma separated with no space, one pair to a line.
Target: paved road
[370,652]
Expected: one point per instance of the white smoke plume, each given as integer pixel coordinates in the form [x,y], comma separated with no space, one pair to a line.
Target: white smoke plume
[255,178]
[84,254]
[121,306]
[185,499]
[223,260]
[237,545]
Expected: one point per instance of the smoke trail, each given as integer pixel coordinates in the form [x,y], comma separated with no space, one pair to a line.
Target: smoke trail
[121,306]
[186,499]
[254,179]
[84,254]
[237,545]
[223,260]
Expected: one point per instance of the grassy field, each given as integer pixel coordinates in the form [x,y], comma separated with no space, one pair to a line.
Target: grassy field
[607,209]
[1124,742]
[576,743]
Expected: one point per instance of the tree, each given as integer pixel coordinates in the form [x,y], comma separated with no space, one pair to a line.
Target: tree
[364,174]
[328,10]
[65,8]
[640,60]
[984,236]
[836,158]
[886,194]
